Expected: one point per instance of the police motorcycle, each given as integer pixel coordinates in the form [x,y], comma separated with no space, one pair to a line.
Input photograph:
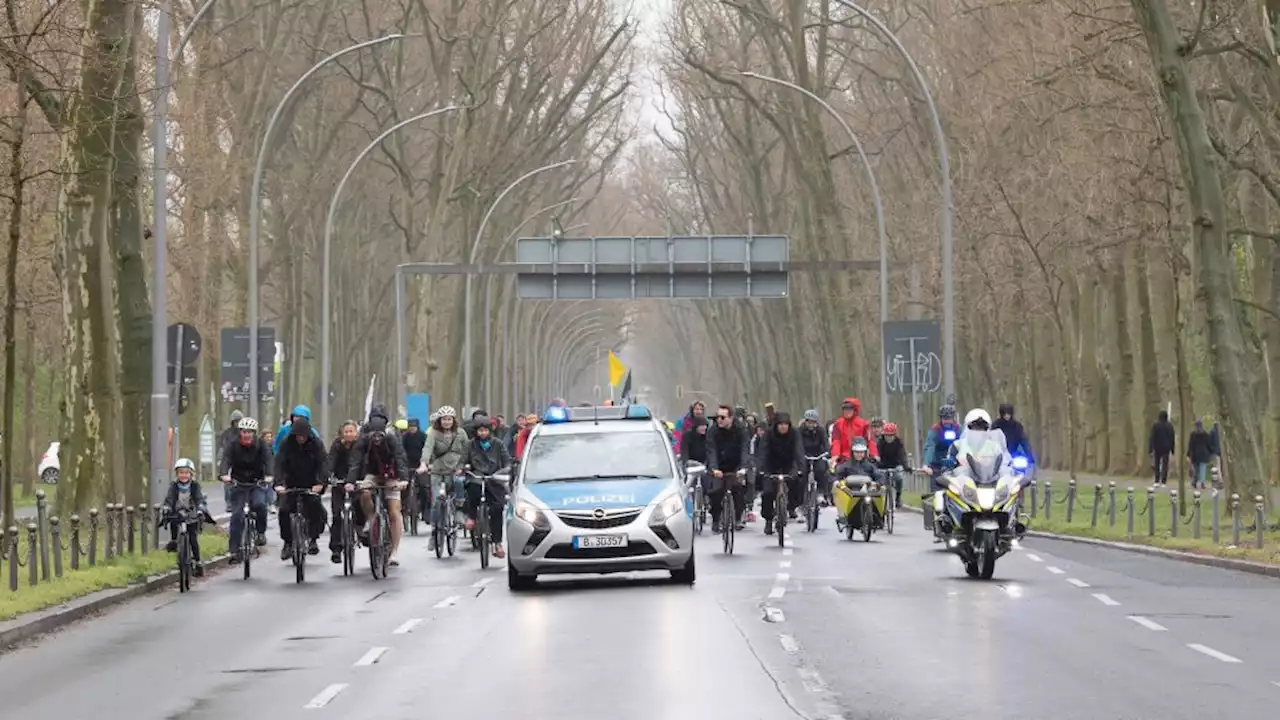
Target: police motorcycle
[978,519]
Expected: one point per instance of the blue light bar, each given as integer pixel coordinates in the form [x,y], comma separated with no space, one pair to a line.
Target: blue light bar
[555,414]
[638,412]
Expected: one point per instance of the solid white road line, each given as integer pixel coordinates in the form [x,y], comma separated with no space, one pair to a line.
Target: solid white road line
[777,593]
[1147,623]
[1215,654]
[482,582]
[1055,570]
[446,602]
[1034,557]
[789,644]
[370,657]
[1078,583]
[1105,599]
[326,696]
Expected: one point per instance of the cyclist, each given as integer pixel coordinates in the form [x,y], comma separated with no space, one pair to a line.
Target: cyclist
[229,435]
[814,440]
[938,442]
[755,444]
[693,442]
[848,426]
[770,414]
[299,412]
[413,439]
[246,462]
[780,453]
[301,464]
[530,421]
[697,409]
[446,450]
[726,452]
[859,463]
[1014,433]
[874,431]
[488,456]
[378,458]
[339,460]
[185,494]
[893,455]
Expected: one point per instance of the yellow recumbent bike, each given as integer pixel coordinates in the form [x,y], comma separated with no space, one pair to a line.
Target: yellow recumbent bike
[860,504]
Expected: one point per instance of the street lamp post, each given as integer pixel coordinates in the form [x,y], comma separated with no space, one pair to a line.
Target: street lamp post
[255,210]
[325,319]
[559,369]
[879,207]
[475,247]
[944,163]
[159,265]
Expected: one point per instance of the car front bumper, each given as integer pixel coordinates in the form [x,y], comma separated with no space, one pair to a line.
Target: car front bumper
[533,551]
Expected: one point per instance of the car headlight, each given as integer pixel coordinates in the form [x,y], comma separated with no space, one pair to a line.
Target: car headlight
[667,508]
[532,515]
[969,494]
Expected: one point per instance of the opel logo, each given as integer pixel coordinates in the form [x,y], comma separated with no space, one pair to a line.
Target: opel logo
[598,513]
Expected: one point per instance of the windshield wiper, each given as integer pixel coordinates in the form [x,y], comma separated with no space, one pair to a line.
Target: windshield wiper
[582,478]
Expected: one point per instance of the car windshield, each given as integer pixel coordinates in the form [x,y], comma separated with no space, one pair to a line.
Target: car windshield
[597,456]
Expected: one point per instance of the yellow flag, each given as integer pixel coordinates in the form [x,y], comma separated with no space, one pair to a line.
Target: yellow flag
[616,369]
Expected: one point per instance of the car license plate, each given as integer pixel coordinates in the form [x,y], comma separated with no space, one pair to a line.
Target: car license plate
[586,542]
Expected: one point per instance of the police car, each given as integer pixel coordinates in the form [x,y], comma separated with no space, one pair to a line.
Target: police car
[599,491]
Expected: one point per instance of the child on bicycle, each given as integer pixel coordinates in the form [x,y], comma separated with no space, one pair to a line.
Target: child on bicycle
[859,463]
[487,456]
[185,496]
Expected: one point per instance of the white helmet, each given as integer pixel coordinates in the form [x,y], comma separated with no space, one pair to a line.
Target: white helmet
[249,424]
[447,411]
[975,415]
[184,463]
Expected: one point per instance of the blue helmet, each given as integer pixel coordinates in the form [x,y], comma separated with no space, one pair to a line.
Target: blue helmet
[301,411]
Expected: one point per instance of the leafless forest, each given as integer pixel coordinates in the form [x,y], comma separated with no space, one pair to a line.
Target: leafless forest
[1115,195]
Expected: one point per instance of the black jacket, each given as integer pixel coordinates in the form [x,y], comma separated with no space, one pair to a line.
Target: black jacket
[339,460]
[865,467]
[367,460]
[1198,447]
[781,454]
[892,454]
[225,438]
[693,446]
[1015,436]
[301,465]
[814,440]
[1161,441]
[413,444]
[727,449]
[488,461]
[198,501]
[245,464]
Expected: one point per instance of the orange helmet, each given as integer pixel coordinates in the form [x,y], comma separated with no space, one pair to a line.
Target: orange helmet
[890,428]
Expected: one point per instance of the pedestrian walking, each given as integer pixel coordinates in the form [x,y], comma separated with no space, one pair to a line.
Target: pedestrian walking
[1160,447]
[1199,453]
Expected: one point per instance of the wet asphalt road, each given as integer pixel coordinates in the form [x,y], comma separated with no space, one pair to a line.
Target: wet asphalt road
[825,629]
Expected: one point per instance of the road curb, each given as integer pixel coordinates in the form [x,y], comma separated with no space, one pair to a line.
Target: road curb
[41,622]
[1248,566]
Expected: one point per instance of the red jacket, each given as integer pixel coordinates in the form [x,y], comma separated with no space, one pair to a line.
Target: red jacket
[846,429]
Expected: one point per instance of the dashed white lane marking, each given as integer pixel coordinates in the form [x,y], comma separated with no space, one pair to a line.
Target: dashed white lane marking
[482,582]
[1078,583]
[1105,599]
[1215,654]
[789,644]
[782,578]
[370,657]
[786,552]
[1276,683]
[1034,557]
[1055,570]
[407,626]
[777,593]
[1147,623]
[811,680]
[326,696]
[774,615]
[446,602]
[784,564]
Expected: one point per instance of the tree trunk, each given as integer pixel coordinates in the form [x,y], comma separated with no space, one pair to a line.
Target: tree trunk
[30,416]
[1231,379]
[17,172]
[1123,457]
[1151,401]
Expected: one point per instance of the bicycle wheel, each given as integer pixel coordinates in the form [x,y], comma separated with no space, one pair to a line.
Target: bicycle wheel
[184,562]
[437,528]
[811,509]
[889,512]
[385,556]
[375,546]
[482,528]
[300,536]
[348,545]
[248,544]
[780,512]
[699,510]
[412,512]
[728,522]
[451,540]
[868,519]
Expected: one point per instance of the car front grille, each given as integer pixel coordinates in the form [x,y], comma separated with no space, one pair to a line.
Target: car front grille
[587,521]
[566,551]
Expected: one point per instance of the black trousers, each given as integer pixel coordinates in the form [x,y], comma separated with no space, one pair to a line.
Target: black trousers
[715,496]
[768,494]
[311,507]
[1160,464]
[497,497]
[193,536]
[336,499]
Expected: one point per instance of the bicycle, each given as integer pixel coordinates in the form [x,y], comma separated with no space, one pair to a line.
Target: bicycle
[444,532]
[379,530]
[348,537]
[298,528]
[409,510]
[780,507]
[249,533]
[891,498]
[728,516]
[811,507]
[185,565]
[699,506]
[483,544]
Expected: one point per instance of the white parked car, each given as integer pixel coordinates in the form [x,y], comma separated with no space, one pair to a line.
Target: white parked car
[49,468]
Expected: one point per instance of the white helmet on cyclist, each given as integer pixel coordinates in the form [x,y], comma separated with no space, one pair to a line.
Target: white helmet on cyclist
[976,416]
[447,411]
[858,445]
[249,424]
[184,463]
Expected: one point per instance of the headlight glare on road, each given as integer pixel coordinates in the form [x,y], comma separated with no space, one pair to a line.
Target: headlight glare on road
[532,515]
[666,509]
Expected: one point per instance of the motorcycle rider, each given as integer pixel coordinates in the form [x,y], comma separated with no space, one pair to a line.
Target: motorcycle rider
[893,455]
[726,455]
[339,460]
[1014,433]
[849,425]
[814,440]
[781,453]
[300,464]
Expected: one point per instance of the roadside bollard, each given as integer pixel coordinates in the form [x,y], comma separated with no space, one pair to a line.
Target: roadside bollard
[75,542]
[1034,509]
[120,528]
[109,547]
[55,533]
[32,568]
[1071,499]
[11,549]
[1151,511]
[1097,503]
[1216,494]
[1111,504]
[1048,500]
[1235,519]
[1173,513]
[93,536]
[42,530]
[155,526]
[1129,511]
[1260,520]
[128,514]
[1195,514]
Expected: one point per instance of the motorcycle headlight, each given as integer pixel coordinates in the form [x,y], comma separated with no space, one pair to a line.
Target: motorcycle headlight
[532,515]
[969,494]
[666,509]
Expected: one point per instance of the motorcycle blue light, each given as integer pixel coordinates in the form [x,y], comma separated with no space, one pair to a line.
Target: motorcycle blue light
[1020,463]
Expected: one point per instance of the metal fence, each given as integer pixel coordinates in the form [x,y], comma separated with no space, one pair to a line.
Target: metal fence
[45,547]
[1062,502]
